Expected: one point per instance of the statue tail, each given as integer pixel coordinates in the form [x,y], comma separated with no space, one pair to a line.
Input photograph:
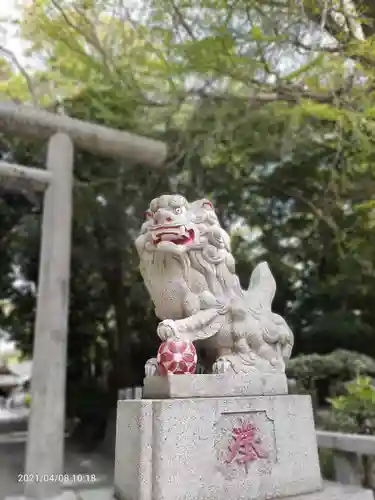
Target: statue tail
[262,288]
[259,297]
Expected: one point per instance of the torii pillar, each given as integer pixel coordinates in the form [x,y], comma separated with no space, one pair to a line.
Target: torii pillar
[45,446]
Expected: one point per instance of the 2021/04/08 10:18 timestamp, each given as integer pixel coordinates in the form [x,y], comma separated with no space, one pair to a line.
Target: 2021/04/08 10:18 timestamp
[56,478]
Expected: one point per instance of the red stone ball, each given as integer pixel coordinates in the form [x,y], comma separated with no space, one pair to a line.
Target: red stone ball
[177,357]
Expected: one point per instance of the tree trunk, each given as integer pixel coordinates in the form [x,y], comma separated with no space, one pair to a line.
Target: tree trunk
[121,373]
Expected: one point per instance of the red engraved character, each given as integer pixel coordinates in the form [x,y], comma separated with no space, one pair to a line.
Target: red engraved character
[246,445]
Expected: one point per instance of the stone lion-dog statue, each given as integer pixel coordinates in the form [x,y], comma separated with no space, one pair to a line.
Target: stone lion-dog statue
[189,271]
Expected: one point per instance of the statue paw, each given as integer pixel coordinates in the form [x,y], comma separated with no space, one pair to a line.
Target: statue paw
[277,364]
[151,367]
[166,330]
[221,365]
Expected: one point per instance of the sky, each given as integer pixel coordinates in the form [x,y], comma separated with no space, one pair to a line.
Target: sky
[8,37]
[6,348]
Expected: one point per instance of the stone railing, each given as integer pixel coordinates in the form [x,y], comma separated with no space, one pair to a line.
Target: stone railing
[130,393]
[352,456]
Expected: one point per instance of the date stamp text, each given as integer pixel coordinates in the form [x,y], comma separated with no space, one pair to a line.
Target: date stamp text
[56,478]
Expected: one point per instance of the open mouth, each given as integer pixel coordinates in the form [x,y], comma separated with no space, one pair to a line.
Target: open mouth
[179,235]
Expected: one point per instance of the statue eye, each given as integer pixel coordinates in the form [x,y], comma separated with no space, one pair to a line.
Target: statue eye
[178,210]
[148,214]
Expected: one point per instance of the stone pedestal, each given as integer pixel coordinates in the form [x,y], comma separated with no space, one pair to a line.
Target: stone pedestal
[215,385]
[237,448]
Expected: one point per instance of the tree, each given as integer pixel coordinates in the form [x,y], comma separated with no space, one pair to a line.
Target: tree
[263,113]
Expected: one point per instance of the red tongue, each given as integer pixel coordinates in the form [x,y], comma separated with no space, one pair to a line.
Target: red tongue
[183,240]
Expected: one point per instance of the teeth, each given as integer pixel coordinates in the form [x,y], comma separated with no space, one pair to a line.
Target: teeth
[175,231]
[168,237]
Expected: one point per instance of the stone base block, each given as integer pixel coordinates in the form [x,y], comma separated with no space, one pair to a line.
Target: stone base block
[334,491]
[238,448]
[215,385]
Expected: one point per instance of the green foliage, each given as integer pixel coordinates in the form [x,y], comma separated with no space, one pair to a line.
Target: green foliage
[340,365]
[306,368]
[27,400]
[354,411]
[327,466]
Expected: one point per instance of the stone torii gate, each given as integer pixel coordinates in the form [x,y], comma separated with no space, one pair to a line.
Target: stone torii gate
[45,445]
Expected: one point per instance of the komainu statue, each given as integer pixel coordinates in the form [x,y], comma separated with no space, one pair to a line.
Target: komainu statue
[189,271]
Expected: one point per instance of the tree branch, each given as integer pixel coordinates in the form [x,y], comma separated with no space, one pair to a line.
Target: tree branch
[288,93]
[21,69]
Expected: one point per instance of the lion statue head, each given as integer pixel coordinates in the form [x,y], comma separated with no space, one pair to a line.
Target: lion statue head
[184,251]
[176,225]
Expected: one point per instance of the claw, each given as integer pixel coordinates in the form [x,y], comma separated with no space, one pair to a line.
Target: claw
[151,367]
[221,365]
[166,330]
